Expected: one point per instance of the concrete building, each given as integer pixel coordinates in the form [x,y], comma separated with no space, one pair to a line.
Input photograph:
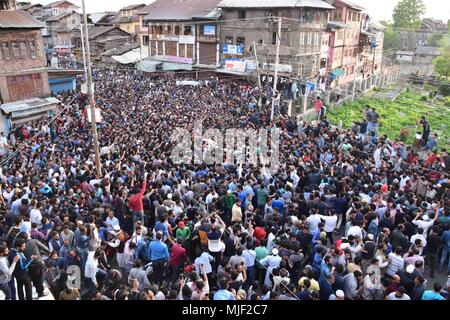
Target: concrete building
[127,18]
[345,22]
[59,29]
[246,21]
[371,46]
[405,57]
[425,55]
[182,36]
[24,87]
[411,40]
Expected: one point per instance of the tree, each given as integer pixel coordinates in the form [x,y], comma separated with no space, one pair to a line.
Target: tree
[435,39]
[391,37]
[442,64]
[408,14]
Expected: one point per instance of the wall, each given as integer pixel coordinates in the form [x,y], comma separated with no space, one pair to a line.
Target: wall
[23,67]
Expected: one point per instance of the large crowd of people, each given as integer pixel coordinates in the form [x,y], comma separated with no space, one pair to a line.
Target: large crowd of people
[350,214]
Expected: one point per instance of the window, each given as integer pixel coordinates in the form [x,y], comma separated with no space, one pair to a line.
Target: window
[340,35]
[187,30]
[33,52]
[240,40]
[302,38]
[6,49]
[4,5]
[274,38]
[177,30]
[229,40]
[309,38]
[145,23]
[241,14]
[23,50]
[15,49]
[145,40]
[167,30]
[260,41]
[316,39]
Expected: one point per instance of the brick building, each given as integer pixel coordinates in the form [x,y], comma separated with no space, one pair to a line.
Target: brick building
[182,36]
[24,87]
[127,18]
[303,23]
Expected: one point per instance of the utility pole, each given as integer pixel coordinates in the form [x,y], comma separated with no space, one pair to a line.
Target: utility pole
[84,51]
[90,88]
[258,75]
[277,62]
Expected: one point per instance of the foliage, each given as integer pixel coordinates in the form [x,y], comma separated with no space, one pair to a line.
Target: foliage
[442,64]
[408,14]
[435,39]
[444,88]
[391,37]
[398,116]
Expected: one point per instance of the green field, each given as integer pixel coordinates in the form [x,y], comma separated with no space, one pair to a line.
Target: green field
[400,113]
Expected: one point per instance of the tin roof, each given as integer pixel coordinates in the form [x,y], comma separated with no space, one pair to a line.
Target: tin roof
[275,4]
[181,9]
[18,20]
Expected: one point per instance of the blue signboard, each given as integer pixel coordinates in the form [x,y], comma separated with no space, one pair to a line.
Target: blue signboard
[209,30]
[233,49]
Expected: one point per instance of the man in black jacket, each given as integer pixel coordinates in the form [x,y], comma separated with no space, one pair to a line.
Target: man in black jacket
[433,244]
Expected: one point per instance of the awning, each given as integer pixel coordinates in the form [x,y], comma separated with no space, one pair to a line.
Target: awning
[221,70]
[29,108]
[338,72]
[148,65]
[169,66]
[132,56]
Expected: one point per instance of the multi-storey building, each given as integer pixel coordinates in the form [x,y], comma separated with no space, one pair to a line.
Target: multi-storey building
[411,40]
[346,20]
[250,24]
[127,18]
[24,87]
[182,36]
[371,46]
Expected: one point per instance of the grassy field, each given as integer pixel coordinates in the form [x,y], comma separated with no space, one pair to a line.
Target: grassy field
[400,113]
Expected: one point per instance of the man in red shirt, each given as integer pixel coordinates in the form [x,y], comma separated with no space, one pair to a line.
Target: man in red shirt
[135,202]
[318,107]
[177,258]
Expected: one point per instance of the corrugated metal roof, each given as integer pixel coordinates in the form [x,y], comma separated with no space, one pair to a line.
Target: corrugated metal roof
[18,20]
[57,3]
[275,4]
[428,51]
[352,5]
[133,6]
[180,9]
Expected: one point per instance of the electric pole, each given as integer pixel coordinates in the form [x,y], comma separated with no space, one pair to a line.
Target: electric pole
[84,51]
[258,75]
[277,62]
[90,88]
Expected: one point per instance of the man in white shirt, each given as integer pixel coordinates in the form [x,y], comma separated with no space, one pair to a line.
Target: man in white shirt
[35,214]
[419,235]
[425,223]
[313,221]
[396,261]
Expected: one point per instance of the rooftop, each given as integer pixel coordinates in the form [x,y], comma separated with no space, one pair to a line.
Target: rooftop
[275,3]
[18,20]
[57,3]
[181,10]
[133,7]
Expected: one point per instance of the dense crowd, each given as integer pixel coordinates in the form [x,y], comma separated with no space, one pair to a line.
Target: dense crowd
[349,215]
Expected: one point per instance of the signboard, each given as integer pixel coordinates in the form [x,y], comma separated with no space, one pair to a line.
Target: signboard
[235,65]
[233,49]
[174,59]
[186,40]
[251,64]
[284,68]
[98,116]
[338,72]
[168,38]
[209,30]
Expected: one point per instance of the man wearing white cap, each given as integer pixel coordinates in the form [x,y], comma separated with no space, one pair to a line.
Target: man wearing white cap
[338,296]
[425,223]
[271,262]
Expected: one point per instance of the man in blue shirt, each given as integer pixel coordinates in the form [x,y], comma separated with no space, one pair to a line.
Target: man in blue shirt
[445,249]
[223,293]
[278,203]
[159,255]
[433,294]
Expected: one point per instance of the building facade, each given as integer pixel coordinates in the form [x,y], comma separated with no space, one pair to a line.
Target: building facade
[127,18]
[182,37]
[345,25]
[246,25]
[411,40]
[24,87]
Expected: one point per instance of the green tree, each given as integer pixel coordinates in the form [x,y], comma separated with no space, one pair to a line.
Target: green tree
[408,14]
[391,37]
[435,39]
[442,64]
